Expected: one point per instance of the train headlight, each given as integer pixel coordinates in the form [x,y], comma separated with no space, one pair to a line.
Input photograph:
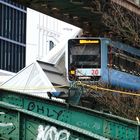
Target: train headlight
[72,72]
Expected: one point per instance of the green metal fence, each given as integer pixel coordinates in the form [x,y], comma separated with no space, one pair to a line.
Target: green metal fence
[30,114]
[20,124]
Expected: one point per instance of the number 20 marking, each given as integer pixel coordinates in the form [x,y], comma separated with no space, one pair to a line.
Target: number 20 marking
[95,72]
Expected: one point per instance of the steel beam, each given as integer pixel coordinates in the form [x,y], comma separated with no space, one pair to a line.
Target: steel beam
[133,7]
[102,124]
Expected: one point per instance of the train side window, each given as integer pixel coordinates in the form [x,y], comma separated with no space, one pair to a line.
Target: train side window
[122,64]
[132,66]
[127,65]
[123,61]
[138,68]
[117,60]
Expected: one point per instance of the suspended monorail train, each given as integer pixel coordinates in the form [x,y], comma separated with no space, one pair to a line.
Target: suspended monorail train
[103,60]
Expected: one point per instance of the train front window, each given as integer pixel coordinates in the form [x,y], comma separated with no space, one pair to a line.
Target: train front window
[84,59]
[86,55]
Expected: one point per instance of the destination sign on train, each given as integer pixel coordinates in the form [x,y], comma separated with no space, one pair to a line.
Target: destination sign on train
[82,41]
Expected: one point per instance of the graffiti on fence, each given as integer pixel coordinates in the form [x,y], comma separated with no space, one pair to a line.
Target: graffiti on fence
[52,133]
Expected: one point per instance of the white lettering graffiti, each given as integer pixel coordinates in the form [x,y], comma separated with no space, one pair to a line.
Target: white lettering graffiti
[51,133]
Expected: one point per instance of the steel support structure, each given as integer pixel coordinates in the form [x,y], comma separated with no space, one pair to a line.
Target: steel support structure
[89,123]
